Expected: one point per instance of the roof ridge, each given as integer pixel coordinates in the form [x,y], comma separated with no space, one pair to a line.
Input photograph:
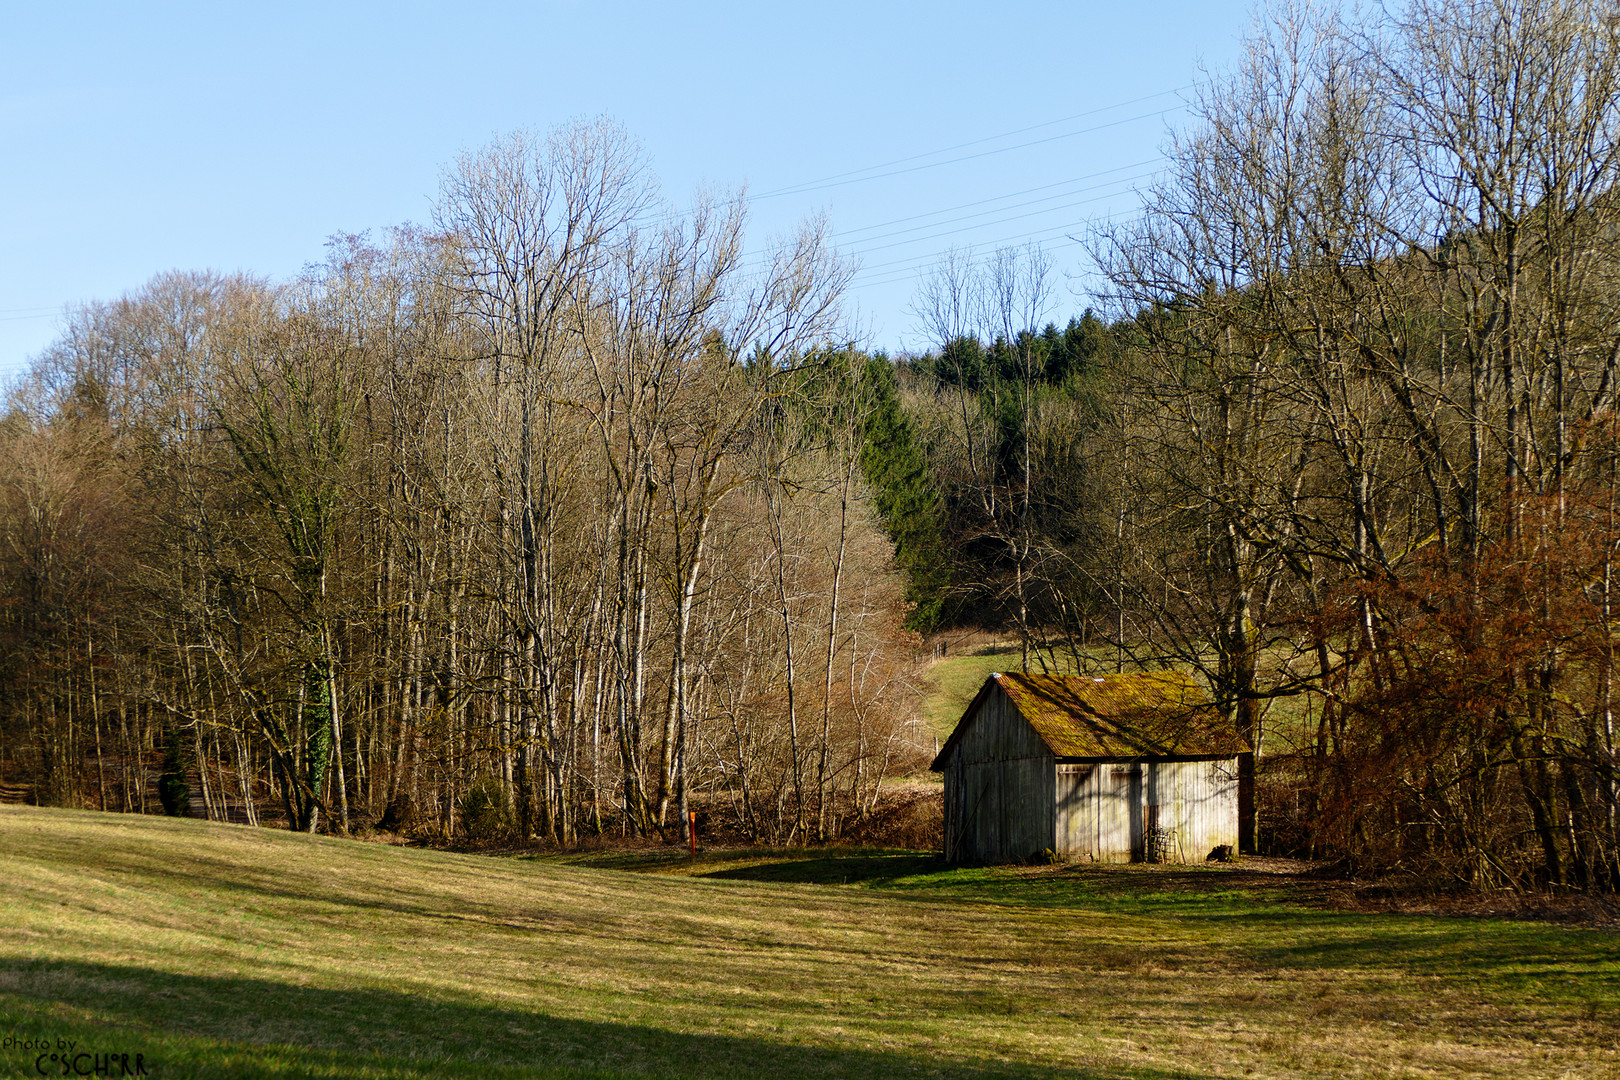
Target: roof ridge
[1121,714]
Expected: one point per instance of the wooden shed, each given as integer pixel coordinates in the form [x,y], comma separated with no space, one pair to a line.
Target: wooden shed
[1111,768]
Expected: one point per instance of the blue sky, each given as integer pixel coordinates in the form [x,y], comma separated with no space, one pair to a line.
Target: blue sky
[142,138]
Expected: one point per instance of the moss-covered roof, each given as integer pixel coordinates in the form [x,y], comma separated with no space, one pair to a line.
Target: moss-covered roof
[1147,715]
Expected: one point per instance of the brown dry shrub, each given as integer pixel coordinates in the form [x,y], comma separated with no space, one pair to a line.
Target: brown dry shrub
[910,820]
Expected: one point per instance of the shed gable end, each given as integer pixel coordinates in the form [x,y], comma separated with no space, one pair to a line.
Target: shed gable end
[993,730]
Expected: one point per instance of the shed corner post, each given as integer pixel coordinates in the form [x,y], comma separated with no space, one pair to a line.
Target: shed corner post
[1247,824]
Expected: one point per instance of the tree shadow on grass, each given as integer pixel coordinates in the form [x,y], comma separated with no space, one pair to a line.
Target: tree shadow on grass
[245,1029]
[1089,887]
[819,866]
[840,869]
[1283,922]
[1556,963]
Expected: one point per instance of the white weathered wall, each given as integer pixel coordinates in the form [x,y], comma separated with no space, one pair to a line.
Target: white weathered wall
[1103,810]
[1198,800]
[1098,811]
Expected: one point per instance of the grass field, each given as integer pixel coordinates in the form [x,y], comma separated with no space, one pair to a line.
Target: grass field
[950,682]
[223,951]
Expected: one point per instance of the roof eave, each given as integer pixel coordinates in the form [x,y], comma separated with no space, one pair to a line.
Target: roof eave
[1134,759]
[956,732]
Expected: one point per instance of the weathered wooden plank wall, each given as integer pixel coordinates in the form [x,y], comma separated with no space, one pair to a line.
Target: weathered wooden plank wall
[1099,811]
[1103,810]
[1079,809]
[1199,804]
[999,788]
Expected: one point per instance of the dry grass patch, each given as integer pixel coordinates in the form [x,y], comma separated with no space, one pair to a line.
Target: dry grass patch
[224,951]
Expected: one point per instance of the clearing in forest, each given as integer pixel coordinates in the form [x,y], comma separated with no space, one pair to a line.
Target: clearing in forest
[223,951]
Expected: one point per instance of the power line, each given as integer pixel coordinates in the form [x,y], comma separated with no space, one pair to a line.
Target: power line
[999,241]
[968,157]
[998,198]
[853,176]
[875,172]
[899,269]
[999,221]
[868,244]
[810,185]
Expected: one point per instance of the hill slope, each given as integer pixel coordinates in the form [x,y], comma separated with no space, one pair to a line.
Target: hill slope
[223,951]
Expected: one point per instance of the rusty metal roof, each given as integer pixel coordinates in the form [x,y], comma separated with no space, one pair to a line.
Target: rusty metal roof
[1146,715]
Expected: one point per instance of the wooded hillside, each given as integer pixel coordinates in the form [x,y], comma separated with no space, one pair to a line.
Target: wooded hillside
[530,522]
[560,510]
[1347,446]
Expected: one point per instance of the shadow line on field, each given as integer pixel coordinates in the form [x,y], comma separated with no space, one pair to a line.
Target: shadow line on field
[248,1028]
[878,870]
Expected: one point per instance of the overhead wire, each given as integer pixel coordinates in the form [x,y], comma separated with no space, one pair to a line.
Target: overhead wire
[853,175]
[939,228]
[948,221]
[986,153]
[999,221]
[887,169]
[998,198]
[899,269]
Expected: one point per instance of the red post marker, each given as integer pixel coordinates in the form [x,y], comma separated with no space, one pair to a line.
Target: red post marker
[691,821]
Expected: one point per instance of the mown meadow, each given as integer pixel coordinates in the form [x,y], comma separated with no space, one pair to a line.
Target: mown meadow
[224,951]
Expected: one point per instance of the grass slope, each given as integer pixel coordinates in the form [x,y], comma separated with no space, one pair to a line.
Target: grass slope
[220,951]
[950,682]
